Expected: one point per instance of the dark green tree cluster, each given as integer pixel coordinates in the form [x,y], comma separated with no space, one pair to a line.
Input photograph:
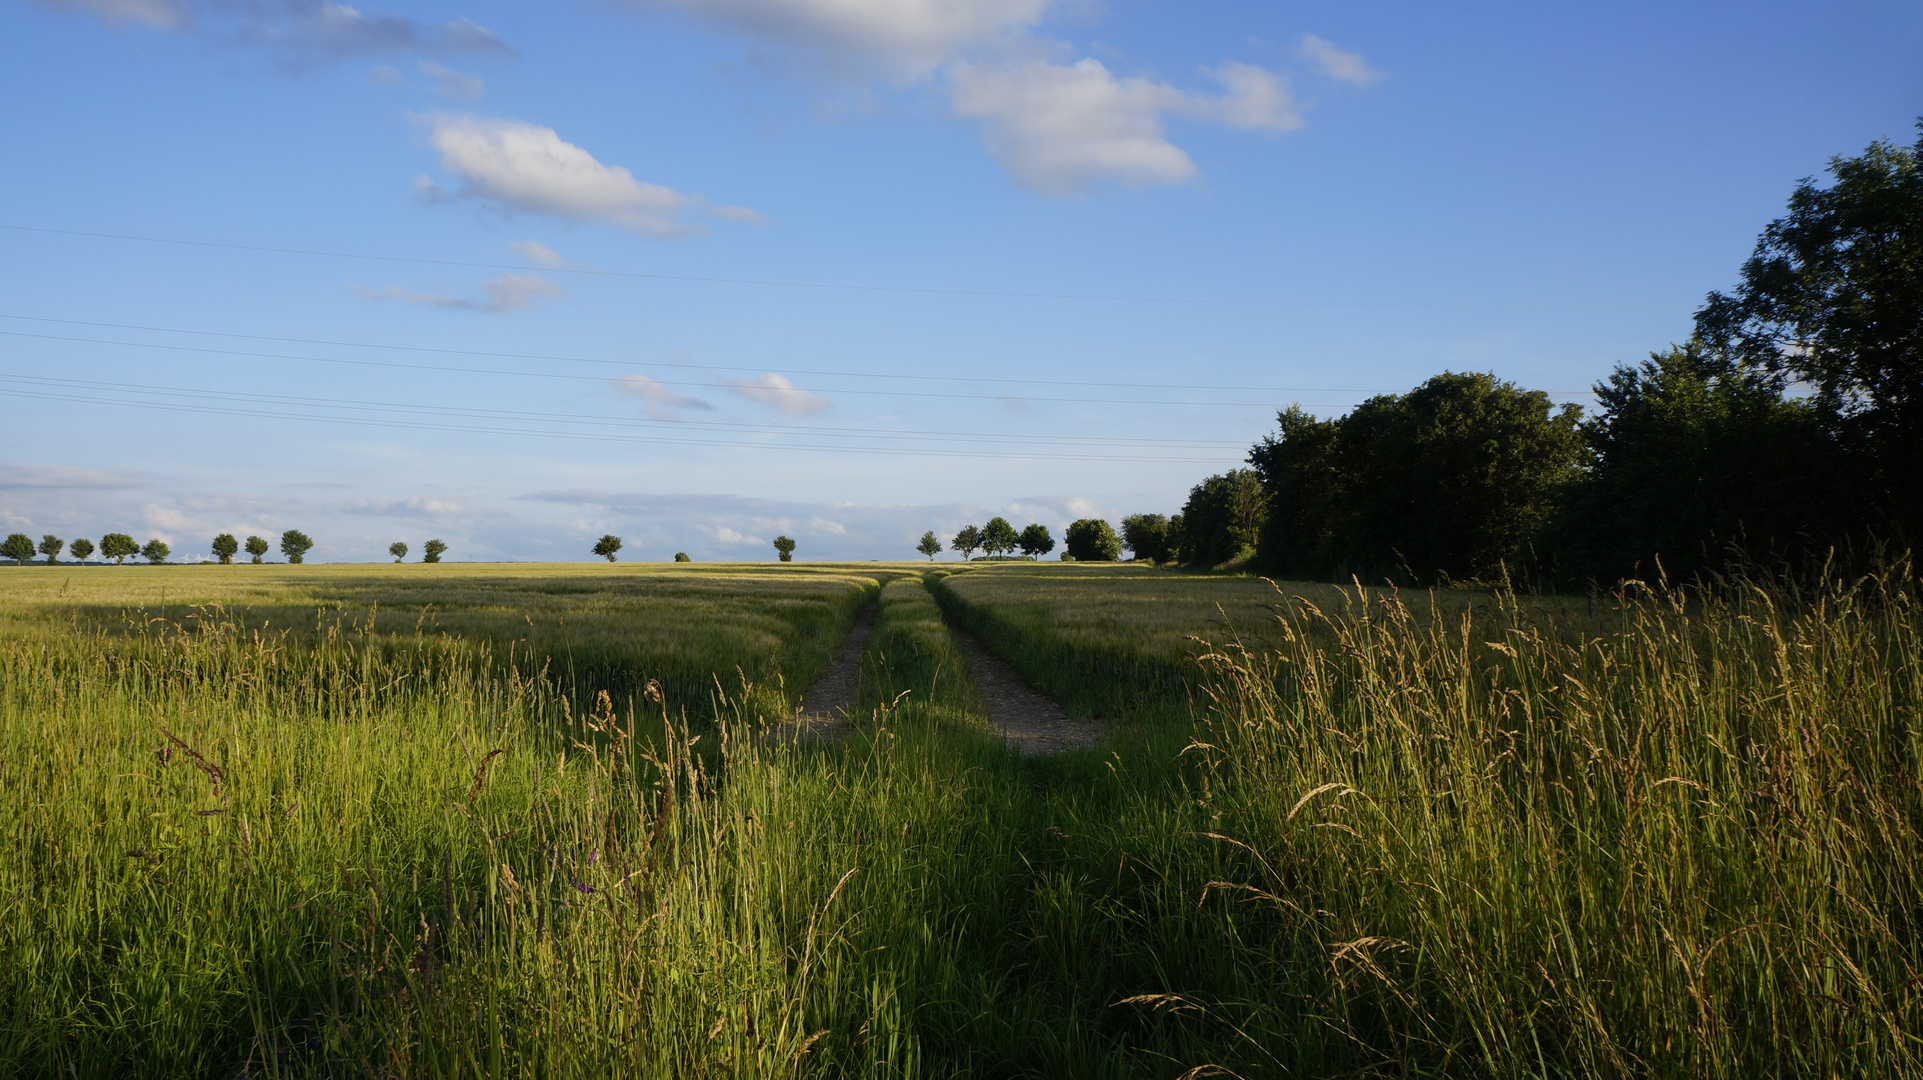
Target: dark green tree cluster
[1790,424]
[1092,540]
[996,540]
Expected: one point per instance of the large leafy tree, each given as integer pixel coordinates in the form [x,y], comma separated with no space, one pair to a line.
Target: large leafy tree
[430,551]
[398,549]
[1833,297]
[999,537]
[1036,541]
[83,549]
[967,541]
[784,549]
[1092,540]
[607,546]
[226,547]
[1222,516]
[929,545]
[118,546]
[1692,454]
[1453,479]
[50,546]
[1147,535]
[18,547]
[295,545]
[256,547]
[156,551]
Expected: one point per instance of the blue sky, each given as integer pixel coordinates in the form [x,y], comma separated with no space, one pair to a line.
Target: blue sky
[698,272]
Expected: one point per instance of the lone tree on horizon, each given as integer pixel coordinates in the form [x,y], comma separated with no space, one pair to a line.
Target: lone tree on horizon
[117,546]
[432,551]
[785,548]
[607,546]
[18,547]
[255,547]
[225,546]
[82,549]
[929,546]
[50,546]
[398,549]
[966,541]
[295,545]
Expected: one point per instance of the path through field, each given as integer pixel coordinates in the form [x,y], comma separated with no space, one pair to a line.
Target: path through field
[824,705]
[1029,720]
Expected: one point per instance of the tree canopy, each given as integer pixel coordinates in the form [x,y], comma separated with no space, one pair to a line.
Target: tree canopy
[1453,479]
[295,545]
[1222,518]
[156,551]
[1092,540]
[607,546]
[50,546]
[967,541]
[784,549]
[256,547]
[999,537]
[118,546]
[1147,535]
[929,545]
[1037,541]
[433,550]
[18,547]
[225,547]
[398,549]
[1833,297]
[82,549]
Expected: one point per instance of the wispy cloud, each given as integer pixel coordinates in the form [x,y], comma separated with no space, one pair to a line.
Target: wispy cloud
[15,475]
[1342,66]
[538,253]
[1062,128]
[522,166]
[778,393]
[907,38]
[158,14]
[302,33]
[500,295]
[451,84]
[660,399]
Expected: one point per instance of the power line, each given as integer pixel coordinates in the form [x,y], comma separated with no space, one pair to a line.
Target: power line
[357,421]
[601,379]
[594,420]
[838,286]
[700,367]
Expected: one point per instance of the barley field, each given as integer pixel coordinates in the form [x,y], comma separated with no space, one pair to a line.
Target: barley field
[1364,833]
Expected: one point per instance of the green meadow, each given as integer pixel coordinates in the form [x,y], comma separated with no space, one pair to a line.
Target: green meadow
[522,821]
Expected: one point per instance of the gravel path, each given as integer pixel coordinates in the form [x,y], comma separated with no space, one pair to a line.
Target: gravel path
[1028,719]
[825,705]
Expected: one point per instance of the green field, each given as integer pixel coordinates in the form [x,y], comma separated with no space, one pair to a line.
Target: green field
[330,821]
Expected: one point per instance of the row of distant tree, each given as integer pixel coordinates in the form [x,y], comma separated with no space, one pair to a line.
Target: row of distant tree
[120,547]
[1788,427]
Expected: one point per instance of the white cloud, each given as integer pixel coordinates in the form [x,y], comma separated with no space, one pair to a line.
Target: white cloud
[526,167]
[15,475]
[726,535]
[775,391]
[384,75]
[328,31]
[1343,66]
[911,37]
[503,295]
[1061,128]
[451,84]
[538,253]
[159,14]
[652,392]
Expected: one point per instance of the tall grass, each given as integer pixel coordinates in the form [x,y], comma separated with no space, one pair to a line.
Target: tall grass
[1678,839]
[1686,847]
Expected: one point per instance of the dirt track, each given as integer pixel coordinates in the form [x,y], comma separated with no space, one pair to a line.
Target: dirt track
[1028,719]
